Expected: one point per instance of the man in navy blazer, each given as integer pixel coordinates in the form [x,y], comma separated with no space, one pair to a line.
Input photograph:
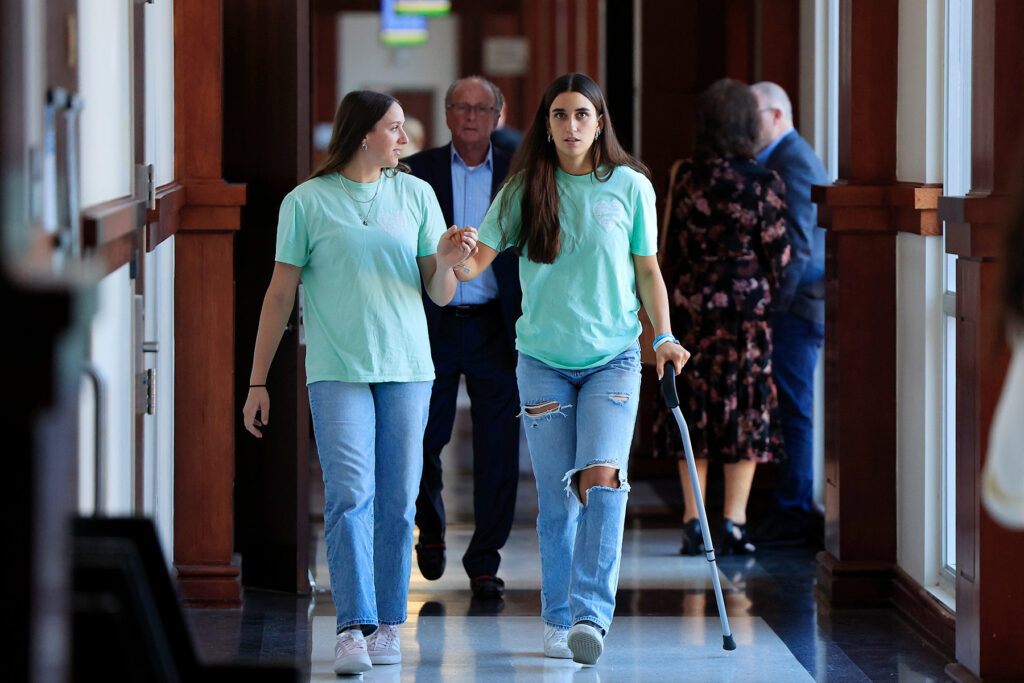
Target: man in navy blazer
[473,336]
[798,319]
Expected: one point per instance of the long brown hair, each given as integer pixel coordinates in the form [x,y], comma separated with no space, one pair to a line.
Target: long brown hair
[533,170]
[358,113]
[726,123]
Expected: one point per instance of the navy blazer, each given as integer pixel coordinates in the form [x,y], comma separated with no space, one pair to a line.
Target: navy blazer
[802,292]
[435,167]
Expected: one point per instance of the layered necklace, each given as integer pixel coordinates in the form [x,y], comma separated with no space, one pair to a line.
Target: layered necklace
[369,202]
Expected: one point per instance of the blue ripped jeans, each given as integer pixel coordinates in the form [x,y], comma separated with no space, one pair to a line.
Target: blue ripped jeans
[576,419]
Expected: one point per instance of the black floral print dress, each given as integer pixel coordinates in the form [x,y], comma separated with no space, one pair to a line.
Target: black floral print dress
[724,251]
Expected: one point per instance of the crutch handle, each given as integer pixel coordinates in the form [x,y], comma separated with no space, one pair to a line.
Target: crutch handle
[668,386]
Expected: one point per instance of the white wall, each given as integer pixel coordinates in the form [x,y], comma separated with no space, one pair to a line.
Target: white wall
[107,173]
[365,64]
[158,479]
[104,59]
[919,358]
[919,142]
[110,353]
[104,74]
[158,451]
[818,107]
[160,89]
[919,315]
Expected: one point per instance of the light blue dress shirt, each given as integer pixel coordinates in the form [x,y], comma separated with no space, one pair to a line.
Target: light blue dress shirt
[763,155]
[471,196]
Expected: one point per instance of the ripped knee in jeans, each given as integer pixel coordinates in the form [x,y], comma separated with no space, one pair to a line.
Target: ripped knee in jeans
[613,479]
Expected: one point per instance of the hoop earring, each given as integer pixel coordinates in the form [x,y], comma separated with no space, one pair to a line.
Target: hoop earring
[364,146]
[549,137]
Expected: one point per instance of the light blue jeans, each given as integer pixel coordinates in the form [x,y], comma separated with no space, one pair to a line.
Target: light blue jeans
[370,440]
[586,418]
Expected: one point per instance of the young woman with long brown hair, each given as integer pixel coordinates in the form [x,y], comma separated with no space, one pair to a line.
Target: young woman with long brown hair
[363,237]
[580,211]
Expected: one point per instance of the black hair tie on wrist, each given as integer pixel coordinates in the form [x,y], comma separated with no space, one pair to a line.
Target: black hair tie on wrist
[255,386]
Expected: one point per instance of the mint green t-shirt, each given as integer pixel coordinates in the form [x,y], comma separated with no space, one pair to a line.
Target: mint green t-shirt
[581,311]
[362,306]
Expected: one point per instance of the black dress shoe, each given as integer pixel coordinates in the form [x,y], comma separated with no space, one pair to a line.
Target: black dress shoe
[430,557]
[487,587]
[734,539]
[693,542]
[780,531]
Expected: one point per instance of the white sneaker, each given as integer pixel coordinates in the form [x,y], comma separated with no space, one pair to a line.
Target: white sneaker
[586,643]
[384,645]
[350,656]
[554,642]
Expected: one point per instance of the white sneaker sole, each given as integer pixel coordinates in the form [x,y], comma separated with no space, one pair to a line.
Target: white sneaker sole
[559,652]
[386,659]
[352,664]
[586,646]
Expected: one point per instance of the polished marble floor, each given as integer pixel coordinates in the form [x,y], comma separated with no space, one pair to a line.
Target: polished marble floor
[666,626]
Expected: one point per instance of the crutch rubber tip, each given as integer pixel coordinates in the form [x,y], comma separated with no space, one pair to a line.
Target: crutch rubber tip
[728,643]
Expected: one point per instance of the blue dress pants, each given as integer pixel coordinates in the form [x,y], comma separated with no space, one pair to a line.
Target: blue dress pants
[472,341]
[795,345]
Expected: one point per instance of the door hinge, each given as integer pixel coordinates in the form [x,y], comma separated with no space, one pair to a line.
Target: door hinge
[145,183]
[149,380]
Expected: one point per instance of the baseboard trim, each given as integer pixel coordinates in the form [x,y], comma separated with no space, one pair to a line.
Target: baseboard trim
[852,585]
[928,615]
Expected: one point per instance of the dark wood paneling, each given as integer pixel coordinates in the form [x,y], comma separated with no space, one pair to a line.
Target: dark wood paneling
[932,617]
[205,415]
[109,221]
[860,338]
[272,502]
[988,628]
[162,222]
[778,59]
[868,80]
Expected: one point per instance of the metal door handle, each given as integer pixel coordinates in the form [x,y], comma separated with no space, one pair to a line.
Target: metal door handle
[99,443]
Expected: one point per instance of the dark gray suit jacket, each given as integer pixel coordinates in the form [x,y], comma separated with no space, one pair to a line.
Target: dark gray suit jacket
[435,167]
[802,292]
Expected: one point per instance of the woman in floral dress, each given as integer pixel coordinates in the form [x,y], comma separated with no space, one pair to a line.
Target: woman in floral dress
[723,251]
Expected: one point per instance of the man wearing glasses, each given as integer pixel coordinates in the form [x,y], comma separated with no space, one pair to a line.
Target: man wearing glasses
[473,336]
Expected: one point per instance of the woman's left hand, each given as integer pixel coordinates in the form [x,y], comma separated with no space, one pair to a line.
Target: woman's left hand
[670,352]
[455,246]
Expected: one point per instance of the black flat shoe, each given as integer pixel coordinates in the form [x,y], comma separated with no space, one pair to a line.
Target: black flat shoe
[734,539]
[693,542]
[430,557]
[487,587]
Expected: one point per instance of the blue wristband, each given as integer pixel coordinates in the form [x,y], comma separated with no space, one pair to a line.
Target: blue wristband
[664,339]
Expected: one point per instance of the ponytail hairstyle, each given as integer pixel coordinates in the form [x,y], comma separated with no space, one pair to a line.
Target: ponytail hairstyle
[533,170]
[358,113]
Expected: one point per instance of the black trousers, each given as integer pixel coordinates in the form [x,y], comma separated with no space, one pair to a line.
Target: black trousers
[472,341]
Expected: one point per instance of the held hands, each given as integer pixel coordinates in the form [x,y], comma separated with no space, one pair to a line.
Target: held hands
[256,403]
[670,352]
[455,246]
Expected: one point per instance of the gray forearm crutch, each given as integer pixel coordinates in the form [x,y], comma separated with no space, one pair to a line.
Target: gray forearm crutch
[668,390]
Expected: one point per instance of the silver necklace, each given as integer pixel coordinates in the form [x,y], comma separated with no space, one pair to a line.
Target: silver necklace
[370,201]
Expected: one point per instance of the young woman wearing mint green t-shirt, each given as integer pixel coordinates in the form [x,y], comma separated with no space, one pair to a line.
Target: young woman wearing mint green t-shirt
[362,237]
[580,210]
